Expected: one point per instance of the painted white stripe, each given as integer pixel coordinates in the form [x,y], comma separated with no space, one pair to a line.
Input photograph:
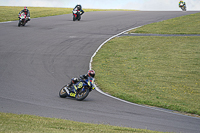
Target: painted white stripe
[153,108]
[6,22]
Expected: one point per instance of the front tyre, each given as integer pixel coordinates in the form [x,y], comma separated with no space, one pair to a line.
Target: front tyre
[62,92]
[82,94]
[74,18]
[24,22]
[19,23]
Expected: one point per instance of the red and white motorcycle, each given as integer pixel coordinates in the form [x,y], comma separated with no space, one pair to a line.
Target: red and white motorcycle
[22,19]
[76,15]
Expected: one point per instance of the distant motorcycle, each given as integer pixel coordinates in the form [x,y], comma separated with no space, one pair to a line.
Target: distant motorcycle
[76,15]
[183,7]
[22,19]
[83,87]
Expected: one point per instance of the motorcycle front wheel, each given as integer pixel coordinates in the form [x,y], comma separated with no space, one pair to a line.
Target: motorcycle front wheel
[62,92]
[24,22]
[74,18]
[82,94]
[19,23]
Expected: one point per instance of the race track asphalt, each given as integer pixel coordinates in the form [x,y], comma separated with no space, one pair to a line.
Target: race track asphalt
[38,59]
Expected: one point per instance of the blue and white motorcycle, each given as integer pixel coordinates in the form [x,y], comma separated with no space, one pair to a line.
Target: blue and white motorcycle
[79,90]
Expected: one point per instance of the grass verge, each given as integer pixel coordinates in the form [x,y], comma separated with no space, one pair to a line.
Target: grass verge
[156,71]
[35,124]
[36,12]
[188,24]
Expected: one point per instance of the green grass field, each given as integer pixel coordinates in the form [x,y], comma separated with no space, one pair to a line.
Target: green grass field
[12,123]
[156,71]
[188,24]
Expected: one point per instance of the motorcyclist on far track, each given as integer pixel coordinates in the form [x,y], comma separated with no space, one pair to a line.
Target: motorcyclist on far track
[182,2]
[79,7]
[27,12]
[90,73]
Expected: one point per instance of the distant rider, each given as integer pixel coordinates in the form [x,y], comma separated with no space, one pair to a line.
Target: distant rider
[27,12]
[78,7]
[181,2]
[90,73]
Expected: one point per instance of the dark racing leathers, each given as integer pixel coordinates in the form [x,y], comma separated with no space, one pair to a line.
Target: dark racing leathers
[79,7]
[181,2]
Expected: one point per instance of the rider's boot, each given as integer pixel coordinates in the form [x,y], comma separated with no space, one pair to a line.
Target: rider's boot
[28,20]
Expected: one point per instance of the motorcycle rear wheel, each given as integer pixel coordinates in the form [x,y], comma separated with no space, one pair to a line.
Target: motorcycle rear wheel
[183,8]
[62,92]
[82,94]
[79,18]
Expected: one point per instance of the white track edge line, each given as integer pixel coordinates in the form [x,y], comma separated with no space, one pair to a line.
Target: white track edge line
[6,22]
[153,108]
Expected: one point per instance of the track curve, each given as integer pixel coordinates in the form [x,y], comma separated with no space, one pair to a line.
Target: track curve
[38,59]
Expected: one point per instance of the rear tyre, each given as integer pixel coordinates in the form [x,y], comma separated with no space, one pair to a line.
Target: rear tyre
[183,8]
[82,94]
[79,18]
[62,92]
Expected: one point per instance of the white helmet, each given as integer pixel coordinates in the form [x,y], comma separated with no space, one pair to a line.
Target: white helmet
[78,4]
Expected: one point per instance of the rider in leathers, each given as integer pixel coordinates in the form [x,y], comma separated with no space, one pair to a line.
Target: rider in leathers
[79,7]
[182,3]
[27,12]
[91,73]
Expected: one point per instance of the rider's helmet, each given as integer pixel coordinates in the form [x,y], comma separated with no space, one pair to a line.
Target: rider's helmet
[74,80]
[91,73]
[78,6]
[25,8]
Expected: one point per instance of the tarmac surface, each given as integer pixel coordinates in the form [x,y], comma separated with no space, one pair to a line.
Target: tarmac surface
[40,58]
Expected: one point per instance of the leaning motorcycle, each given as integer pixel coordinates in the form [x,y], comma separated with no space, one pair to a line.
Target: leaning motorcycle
[22,19]
[79,91]
[76,15]
[183,7]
